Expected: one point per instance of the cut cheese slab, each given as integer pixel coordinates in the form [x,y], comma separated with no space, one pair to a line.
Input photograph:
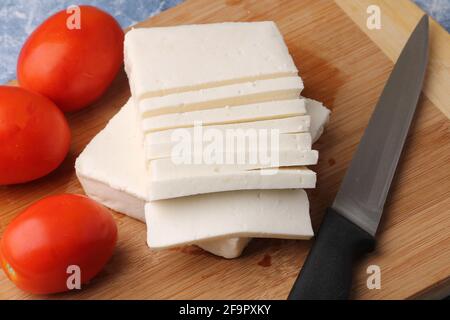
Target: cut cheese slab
[167,169]
[252,213]
[288,141]
[164,60]
[118,197]
[111,172]
[218,97]
[321,116]
[295,124]
[281,178]
[112,167]
[242,113]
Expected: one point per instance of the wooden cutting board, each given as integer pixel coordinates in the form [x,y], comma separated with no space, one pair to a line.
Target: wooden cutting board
[345,65]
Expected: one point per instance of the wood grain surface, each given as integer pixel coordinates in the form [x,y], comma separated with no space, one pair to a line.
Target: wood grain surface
[346,69]
[398,19]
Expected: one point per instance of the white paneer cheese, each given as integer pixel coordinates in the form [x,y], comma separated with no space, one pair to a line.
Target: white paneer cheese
[228,248]
[251,213]
[295,124]
[282,178]
[288,141]
[230,95]
[114,163]
[117,197]
[321,116]
[164,60]
[242,113]
[112,172]
[167,169]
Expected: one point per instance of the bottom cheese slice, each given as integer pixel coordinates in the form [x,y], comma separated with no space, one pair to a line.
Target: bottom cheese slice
[251,213]
[227,248]
[112,172]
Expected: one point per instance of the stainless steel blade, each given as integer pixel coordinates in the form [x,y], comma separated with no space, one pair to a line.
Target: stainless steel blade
[364,189]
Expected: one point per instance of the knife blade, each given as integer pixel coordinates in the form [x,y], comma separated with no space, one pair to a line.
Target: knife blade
[349,227]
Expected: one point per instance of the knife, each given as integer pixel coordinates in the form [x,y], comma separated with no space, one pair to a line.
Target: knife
[350,224]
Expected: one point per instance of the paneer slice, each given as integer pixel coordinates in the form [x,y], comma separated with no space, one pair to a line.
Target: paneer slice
[288,141]
[165,60]
[252,213]
[228,248]
[266,179]
[227,115]
[169,170]
[218,97]
[321,116]
[295,124]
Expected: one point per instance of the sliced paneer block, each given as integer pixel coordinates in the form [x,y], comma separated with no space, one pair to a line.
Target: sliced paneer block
[287,141]
[252,213]
[279,178]
[219,97]
[111,171]
[295,124]
[242,113]
[168,169]
[228,248]
[165,60]
[321,116]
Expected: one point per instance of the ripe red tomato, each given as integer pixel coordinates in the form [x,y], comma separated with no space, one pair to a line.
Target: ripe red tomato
[54,234]
[72,67]
[34,136]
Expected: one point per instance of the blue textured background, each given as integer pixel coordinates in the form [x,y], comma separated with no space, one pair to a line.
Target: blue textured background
[18,18]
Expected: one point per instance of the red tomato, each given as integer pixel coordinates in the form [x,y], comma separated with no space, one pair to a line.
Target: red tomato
[34,136]
[53,234]
[73,67]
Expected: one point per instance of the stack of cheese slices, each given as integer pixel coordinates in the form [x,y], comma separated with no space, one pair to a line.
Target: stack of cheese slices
[226,77]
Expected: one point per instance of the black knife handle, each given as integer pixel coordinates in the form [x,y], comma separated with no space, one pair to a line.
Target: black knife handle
[327,272]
